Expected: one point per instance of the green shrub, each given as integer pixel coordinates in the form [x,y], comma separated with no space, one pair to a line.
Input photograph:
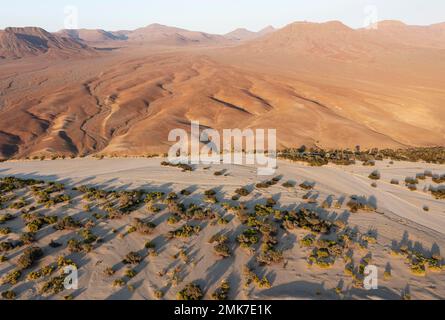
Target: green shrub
[375,175]
[190,292]
[222,292]
[5,218]
[5,231]
[185,231]
[9,295]
[29,256]
[143,227]
[306,186]
[12,277]
[67,223]
[53,286]
[132,258]
[289,184]
[248,238]
[243,192]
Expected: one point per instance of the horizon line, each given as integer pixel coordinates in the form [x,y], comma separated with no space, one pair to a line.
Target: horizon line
[238,28]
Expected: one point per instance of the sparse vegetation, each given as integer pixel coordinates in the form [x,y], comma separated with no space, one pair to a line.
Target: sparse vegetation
[190,292]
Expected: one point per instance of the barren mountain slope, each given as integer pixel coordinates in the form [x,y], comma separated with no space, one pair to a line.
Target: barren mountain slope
[165,35]
[241,34]
[32,41]
[91,35]
[126,101]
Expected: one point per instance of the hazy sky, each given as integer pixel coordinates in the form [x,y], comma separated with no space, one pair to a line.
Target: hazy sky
[214,16]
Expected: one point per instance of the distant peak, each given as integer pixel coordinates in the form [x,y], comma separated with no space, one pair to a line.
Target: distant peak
[391,23]
[25,30]
[329,25]
[156,25]
[242,29]
[267,29]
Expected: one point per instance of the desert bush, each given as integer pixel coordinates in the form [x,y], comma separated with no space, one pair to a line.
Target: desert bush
[12,277]
[65,262]
[439,178]
[269,256]
[251,277]
[132,258]
[19,204]
[5,231]
[307,186]
[421,176]
[29,256]
[248,238]
[198,213]
[88,236]
[356,204]
[142,227]
[264,211]
[369,163]
[130,273]
[6,246]
[9,295]
[222,292]
[109,271]
[159,294]
[438,193]
[375,175]
[154,196]
[395,181]
[411,181]
[210,196]
[173,219]
[223,221]
[306,219]
[185,231]
[243,192]
[184,167]
[67,223]
[5,218]
[27,238]
[76,246]
[222,250]
[387,275]
[185,192]
[307,241]
[190,292]
[289,184]
[262,185]
[219,173]
[43,272]
[53,286]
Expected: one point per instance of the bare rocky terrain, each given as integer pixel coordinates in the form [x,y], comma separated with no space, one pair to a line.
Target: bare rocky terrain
[324,85]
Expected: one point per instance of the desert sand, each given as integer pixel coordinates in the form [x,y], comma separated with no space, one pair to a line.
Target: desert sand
[399,220]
